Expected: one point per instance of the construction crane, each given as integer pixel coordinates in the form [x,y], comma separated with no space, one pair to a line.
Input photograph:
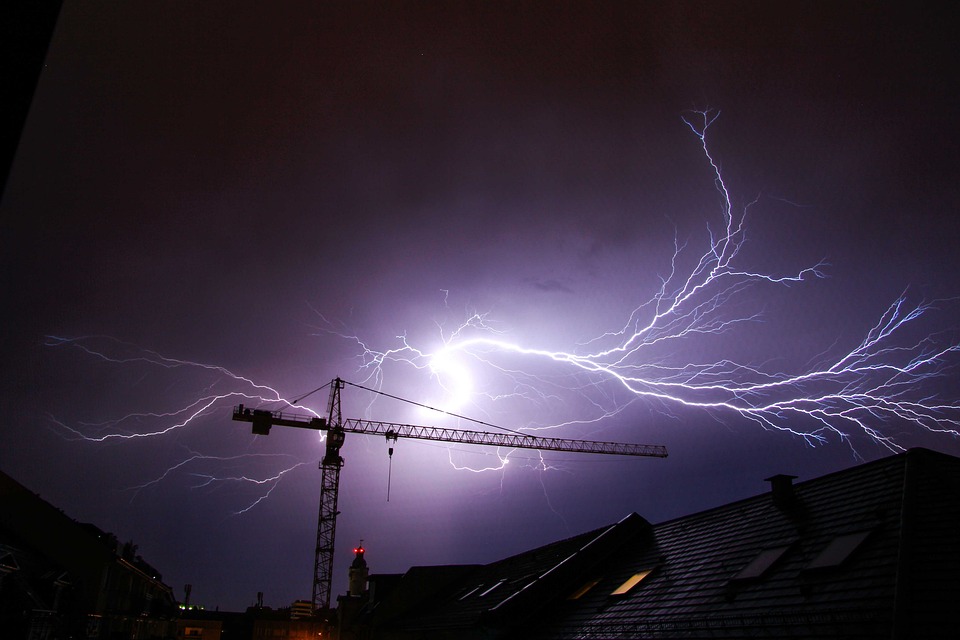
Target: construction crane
[336,428]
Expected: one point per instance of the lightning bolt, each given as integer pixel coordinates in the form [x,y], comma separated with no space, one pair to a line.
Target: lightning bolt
[134,426]
[208,479]
[475,364]
[889,378]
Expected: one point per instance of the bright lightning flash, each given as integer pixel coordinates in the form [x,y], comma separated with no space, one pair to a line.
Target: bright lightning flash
[880,384]
[454,376]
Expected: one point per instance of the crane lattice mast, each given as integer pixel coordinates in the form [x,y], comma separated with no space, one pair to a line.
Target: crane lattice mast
[336,428]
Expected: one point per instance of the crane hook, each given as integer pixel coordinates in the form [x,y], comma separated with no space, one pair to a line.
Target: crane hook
[391,435]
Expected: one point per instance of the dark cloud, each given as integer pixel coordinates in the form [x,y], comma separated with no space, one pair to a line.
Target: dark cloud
[549,285]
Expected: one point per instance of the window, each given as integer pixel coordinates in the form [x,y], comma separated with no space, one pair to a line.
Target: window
[839,549]
[760,564]
[490,590]
[579,593]
[631,582]
[470,593]
[9,563]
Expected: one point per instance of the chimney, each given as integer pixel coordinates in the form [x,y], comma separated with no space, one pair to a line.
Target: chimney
[781,488]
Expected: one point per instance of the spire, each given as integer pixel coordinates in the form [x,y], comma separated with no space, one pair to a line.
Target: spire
[358,560]
[358,572]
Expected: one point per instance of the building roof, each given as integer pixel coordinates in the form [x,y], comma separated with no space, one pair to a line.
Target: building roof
[866,552]
[100,575]
[508,589]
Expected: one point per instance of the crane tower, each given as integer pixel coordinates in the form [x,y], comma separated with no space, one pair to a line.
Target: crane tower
[336,429]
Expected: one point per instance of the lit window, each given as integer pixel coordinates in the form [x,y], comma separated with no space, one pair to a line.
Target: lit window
[631,582]
[579,593]
[759,565]
[839,549]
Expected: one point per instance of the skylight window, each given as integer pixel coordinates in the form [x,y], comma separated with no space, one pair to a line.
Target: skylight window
[839,549]
[490,590]
[631,582]
[8,562]
[582,591]
[760,564]
[470,593]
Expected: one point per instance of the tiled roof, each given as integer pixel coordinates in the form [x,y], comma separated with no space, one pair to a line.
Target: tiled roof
[866,552]
[504,592]
[826,565]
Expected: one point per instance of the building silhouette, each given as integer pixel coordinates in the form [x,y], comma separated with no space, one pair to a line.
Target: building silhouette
[869,552]
[60,578]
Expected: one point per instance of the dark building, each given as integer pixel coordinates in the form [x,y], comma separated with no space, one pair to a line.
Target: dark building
[60,578]
[870,552]
[256,623]
[197,624]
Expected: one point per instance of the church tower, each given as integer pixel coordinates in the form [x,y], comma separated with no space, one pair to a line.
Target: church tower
[358,572]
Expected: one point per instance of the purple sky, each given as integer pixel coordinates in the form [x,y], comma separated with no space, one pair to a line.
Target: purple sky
[243,187]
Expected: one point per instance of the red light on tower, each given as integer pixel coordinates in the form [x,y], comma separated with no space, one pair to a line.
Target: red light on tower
[358,572]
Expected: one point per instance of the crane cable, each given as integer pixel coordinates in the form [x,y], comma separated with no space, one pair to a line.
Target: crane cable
[413,402]
[389,472]
[423,406]
[426,406]
[417,404]
[310,393]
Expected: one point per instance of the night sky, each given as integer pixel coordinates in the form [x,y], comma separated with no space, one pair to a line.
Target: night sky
[212,191]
